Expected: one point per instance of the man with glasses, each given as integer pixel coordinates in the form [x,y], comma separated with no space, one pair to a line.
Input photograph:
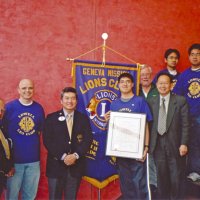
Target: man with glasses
[149,90]
[188,85]
[169,138]
[67,138]
[132,172]
[172,57]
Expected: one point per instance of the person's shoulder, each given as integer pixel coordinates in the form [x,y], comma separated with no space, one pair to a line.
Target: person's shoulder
[37,104]
[138,98]
[12,103]
[152,99]
[80,114]
[179,98]
[162,71]
[186,71]
[55,113]
[116,101]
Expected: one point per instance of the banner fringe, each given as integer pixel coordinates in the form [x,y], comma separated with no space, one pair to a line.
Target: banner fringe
[99,184]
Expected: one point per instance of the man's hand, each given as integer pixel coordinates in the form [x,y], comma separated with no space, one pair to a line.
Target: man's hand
[183,149]
[107,116]
[144,155]
[11,172]
[70,159]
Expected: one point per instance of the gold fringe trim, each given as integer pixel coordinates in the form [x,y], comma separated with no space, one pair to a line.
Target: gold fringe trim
[99,184]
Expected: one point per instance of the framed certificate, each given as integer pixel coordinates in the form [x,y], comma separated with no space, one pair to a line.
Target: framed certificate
[126,134]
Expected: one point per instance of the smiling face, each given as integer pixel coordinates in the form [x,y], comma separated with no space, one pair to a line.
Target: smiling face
[26,90]
[194,58]
[163,85]
[145,77]
[69,101]
[125,86]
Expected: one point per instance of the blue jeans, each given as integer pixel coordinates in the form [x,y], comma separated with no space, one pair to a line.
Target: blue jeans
[133,179]
[25,179]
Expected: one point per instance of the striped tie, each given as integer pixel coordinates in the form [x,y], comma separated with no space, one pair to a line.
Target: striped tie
[162,118]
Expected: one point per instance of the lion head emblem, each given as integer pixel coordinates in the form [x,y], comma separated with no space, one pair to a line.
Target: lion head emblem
[91,107]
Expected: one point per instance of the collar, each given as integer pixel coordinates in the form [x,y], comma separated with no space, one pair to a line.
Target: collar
[172,72]
[195,69]
[25,104]
[66,113]
[165,97]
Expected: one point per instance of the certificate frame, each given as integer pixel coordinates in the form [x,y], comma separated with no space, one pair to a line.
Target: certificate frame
[126,135]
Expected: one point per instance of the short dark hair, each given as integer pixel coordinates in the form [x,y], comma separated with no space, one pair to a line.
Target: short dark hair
[68,89]
[193,46]
[127,75]
[165,74]
[169,51]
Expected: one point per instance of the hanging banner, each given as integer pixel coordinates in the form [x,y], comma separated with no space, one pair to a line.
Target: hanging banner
[97,87]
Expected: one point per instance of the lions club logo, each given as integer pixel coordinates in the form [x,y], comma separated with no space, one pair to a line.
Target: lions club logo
[98,105]
[194,89]
[26,124]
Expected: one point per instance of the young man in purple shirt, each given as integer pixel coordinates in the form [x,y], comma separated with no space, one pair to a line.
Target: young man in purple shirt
[132,172]
[188,85]
[172,57]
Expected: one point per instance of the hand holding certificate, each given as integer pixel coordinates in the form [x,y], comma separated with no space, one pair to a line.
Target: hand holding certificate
[126,133]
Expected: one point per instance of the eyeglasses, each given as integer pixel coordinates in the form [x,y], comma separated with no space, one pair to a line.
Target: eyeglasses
[70,98]
[125,82]
[147,75]
[172,58]
[195,54]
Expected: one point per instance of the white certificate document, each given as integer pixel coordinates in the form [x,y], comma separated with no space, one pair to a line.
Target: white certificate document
[126,135]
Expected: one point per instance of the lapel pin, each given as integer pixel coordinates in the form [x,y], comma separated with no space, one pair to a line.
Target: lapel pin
[61,118]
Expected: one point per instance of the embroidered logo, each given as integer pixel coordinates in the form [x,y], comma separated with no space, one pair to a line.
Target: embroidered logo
[80,138]
[26,124]
[194,88]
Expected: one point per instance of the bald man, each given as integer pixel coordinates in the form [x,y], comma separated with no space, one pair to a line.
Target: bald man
[23,121]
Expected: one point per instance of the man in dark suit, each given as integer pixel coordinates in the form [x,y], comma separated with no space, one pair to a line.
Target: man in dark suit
[6,162]
[169,137]
[67,138]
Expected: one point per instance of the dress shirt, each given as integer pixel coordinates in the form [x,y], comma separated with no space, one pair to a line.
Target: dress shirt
[66,115]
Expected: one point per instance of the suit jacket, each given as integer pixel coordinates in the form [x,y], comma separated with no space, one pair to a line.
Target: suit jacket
[177,130]
[5,164]
[57,142]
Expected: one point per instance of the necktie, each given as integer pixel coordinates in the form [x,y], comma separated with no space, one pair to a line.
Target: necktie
[5,145]
[69,124]
[162,118]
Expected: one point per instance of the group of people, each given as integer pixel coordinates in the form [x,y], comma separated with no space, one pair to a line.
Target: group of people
[172,108]
[171,104]
[66,135]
